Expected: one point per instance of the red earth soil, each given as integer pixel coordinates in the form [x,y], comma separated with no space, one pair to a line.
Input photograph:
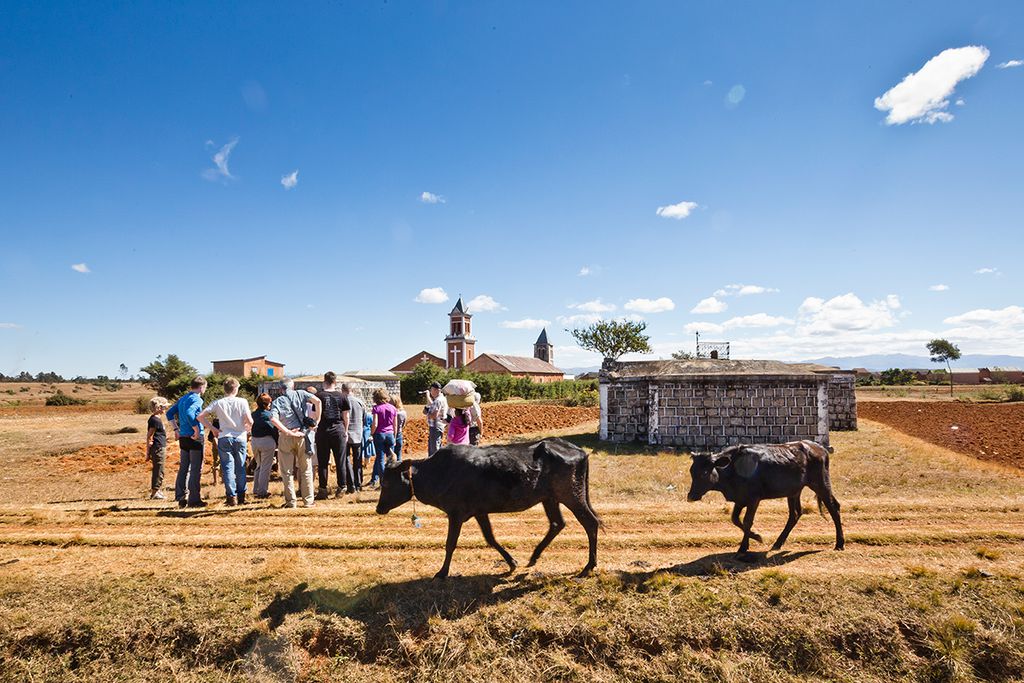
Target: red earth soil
[501,421]
[990,432]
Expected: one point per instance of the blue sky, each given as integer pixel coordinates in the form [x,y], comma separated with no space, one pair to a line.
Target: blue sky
[702,165]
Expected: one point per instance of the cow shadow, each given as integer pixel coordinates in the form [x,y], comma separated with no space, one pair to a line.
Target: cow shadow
[387,611]
[720,564]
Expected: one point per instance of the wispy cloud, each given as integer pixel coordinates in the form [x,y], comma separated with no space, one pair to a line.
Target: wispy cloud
[708,82]
[431,198]
[579,319]
[677,211]
[220,161]
[922,97]
[483,303]
[595,306]
[659,305]
[525,324]
[10,326]
[743,290]
[80,268]
[987,271]
[756,320]
[431,295]
[938,288]
[709,305]
[735,95]
[1011,64]
[291,180]
[584,271]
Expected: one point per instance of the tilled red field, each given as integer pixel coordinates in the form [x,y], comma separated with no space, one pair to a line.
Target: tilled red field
[989,432]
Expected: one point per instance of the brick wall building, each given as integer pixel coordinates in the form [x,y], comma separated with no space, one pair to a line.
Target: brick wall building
[243,367]
[707,404]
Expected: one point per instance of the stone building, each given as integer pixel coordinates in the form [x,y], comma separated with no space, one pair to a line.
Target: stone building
[705,404]
[362,382]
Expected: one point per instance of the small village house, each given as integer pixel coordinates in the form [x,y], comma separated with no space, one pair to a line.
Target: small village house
[242,367]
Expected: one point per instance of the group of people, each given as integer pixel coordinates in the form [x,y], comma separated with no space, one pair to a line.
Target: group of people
[301,430]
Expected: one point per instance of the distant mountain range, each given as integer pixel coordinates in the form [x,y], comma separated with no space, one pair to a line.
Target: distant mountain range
[902,360]
[878,362]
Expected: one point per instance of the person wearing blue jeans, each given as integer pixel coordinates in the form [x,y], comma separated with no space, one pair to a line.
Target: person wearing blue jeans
[184,414]
[234,422]
[383,428]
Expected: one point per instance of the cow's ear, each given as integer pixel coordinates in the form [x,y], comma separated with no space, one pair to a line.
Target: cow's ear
[722,462]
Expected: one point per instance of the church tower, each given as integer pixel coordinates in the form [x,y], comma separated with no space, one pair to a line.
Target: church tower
[460,343]
[542,349]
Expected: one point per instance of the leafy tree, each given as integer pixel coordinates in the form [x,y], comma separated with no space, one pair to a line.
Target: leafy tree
[613,338]
[944,351]
[895,376]
[170,377]
[123,371]
[682,355]
[420,379]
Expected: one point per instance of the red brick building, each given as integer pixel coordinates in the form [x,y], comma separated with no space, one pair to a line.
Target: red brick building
[241,367]
[460,344]
[518,366]
[407,365]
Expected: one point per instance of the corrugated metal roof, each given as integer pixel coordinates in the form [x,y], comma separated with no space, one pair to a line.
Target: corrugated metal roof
[527,364]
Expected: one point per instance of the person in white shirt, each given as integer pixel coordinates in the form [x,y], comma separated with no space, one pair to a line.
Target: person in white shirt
[437,414]
[235,422]
[476,421]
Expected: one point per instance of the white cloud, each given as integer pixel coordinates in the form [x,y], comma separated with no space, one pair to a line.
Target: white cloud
[1012,316]
[659,305]
[987,271]
[525,324]
[291,180]
[923,96]
[846,313]
[483,303]
[735,95]
[1013,63]
[584,271]
[595,306]
[756,320]
[80,268]
[677,211]
[10,326]
[578,319]
[960,102]
[431,295]
[708,82]
[743,290]
[220,160]
[702,327]
[709,305]
[431,198]
[938,288]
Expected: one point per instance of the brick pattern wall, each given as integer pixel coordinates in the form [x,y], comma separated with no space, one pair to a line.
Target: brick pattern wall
[709,415]
[842,403]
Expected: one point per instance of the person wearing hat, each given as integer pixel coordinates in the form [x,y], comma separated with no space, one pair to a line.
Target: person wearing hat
[436,412]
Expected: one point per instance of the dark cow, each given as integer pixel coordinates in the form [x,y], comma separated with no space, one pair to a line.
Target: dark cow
[473,482]
[747,474]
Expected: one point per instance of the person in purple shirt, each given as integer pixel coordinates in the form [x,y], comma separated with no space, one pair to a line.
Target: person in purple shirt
[383,430]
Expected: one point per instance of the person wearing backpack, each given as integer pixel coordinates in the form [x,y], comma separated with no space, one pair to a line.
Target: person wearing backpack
[332,437]
[294,448]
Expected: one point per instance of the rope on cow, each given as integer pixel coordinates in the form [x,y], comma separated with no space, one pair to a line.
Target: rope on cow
[415,519]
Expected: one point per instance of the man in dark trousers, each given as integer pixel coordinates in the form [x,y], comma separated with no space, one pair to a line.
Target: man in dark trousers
[332,437]
[355,437]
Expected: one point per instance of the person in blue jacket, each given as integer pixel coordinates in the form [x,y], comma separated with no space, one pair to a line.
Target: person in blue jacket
[368,450]
[185,415]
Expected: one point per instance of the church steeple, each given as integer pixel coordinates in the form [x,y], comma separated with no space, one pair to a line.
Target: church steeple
[460,343]
[542,349]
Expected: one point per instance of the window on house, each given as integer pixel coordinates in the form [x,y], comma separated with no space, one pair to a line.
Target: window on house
[270,372]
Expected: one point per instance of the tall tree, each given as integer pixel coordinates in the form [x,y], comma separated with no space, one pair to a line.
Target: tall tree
[170,377]
[613,338]
[944,351]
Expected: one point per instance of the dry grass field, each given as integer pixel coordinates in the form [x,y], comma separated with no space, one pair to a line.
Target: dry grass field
[99,584]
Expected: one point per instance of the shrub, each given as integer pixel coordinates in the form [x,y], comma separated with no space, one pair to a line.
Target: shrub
[61,399]
[1015,394]
[493,386]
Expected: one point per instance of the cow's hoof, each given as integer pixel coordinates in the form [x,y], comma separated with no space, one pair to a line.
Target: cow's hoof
[441,575]
[840,546]
[777,547]
[756,537]
[585,572]
[746,557]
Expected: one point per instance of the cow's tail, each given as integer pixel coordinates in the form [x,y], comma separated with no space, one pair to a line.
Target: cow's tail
[586,491]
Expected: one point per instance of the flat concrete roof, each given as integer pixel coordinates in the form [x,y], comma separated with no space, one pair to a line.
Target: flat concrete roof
[715,369]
